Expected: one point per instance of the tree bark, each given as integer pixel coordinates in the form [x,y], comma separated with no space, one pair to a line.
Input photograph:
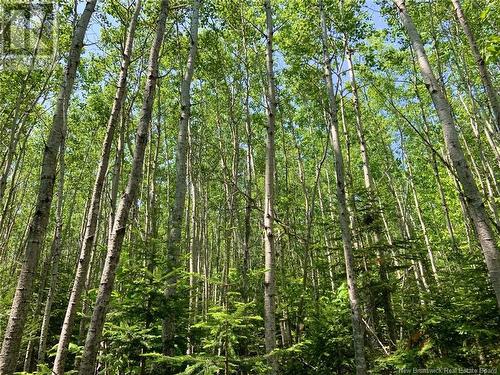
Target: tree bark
[269,252]
[93,213]
[474,200]
[248,179]
[40,218]
[54,256]
[481,64]
[128,198]
[341,196]
[177,211]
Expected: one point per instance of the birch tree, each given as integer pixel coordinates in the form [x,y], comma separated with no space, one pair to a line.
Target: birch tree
[122,212]
[177,211]
[270,170]
[39,220]
[93,213]
[443,108]
[342,202]
[484,74]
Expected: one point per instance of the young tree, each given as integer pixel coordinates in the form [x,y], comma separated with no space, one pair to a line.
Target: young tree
[269,251]
[342,202]
[372,196]
[491,93]
[177,211]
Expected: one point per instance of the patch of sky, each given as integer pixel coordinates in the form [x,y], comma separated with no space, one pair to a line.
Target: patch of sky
[379,22]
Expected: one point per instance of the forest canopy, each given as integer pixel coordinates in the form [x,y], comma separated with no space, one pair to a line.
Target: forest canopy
[249,187]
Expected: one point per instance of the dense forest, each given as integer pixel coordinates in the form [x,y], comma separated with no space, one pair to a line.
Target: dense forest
[249,187]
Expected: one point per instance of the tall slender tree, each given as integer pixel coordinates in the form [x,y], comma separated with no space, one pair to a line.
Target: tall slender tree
[484,74]
[269,250]
[92,215]
[342,202]
[127,200]
[55,255]
[372,196]
[39,220]
[474,201]
[177,212]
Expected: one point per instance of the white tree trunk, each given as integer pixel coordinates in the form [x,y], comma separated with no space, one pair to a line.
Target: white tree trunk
[481,65]
[40,218]
[177,212]
[117,235]
[473,198]
[93,213]
[269,252]
[342,205]
[54,256]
